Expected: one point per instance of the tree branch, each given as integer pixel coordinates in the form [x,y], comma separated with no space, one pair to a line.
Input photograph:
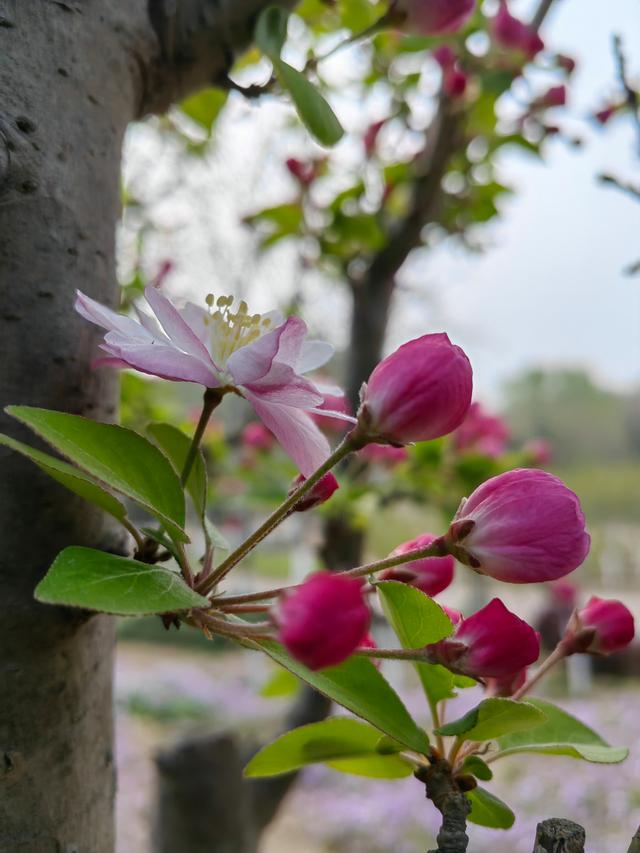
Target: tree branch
[631,96]
[197,44]
[450,801]
[373,292]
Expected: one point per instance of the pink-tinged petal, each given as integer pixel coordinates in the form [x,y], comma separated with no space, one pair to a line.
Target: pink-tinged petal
[314,354]
[165,362]
[197,318]
[282,346]
[332,413]
[283,386]
[151,325]
[102,316]
[296,432]
[178,330]
[110,361]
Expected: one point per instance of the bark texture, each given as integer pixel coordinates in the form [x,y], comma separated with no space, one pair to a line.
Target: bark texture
[558,835]
[73,74]
[64,106]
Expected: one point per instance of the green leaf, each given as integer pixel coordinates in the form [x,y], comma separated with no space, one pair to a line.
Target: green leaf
[175,445]
[374,766]
[117,457]
[357,685]
[281,683]
[93,580]
[477,767]
[214,536]
[492,718]
[271,30]
[71,477]
[204,107]
[561,734]
[417,619]
[345,744]
[314,111]
[488,810]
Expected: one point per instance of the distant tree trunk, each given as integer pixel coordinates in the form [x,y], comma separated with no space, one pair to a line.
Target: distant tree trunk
[74,73]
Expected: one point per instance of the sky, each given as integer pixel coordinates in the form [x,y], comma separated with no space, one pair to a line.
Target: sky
[550,287]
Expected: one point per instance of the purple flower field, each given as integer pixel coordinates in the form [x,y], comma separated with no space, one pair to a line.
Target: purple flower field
[162,692]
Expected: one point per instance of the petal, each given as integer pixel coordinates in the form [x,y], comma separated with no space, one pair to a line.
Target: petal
[164,361]
[296,432]
[313,355]
[151,325]
[283,386]
[283,345]
[178,330]
[197,317]
[99,314]
[331,413]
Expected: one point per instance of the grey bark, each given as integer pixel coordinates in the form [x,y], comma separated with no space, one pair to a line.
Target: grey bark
[63,109]
[73,74]
[558,835]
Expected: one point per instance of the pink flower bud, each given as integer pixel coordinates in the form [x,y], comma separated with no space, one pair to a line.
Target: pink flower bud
[323,621]
[482,433]
[430,574]
[318,494]
[371,136]
[419,392]
[384,454]
[256,435]
[600,628]
[507,684]
[445,56]
[556,96]
[432,17]
[539,451]
[454,83]
[563,592]
[304,171]
[524,526]
[603,115]
[493,643]
[513,34]
[567,63]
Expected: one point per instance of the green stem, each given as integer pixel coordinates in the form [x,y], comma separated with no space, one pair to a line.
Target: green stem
[558,654]
[134,532]
[372,30]
[212,399]
[348,445]
[435,549]
[435,717]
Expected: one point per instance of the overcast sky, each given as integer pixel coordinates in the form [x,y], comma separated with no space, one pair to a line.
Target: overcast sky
[552,289]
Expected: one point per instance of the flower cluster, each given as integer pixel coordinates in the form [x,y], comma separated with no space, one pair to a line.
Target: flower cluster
[523,526]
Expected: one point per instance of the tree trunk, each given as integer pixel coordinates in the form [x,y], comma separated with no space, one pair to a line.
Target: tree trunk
[68,93]
[74,73]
